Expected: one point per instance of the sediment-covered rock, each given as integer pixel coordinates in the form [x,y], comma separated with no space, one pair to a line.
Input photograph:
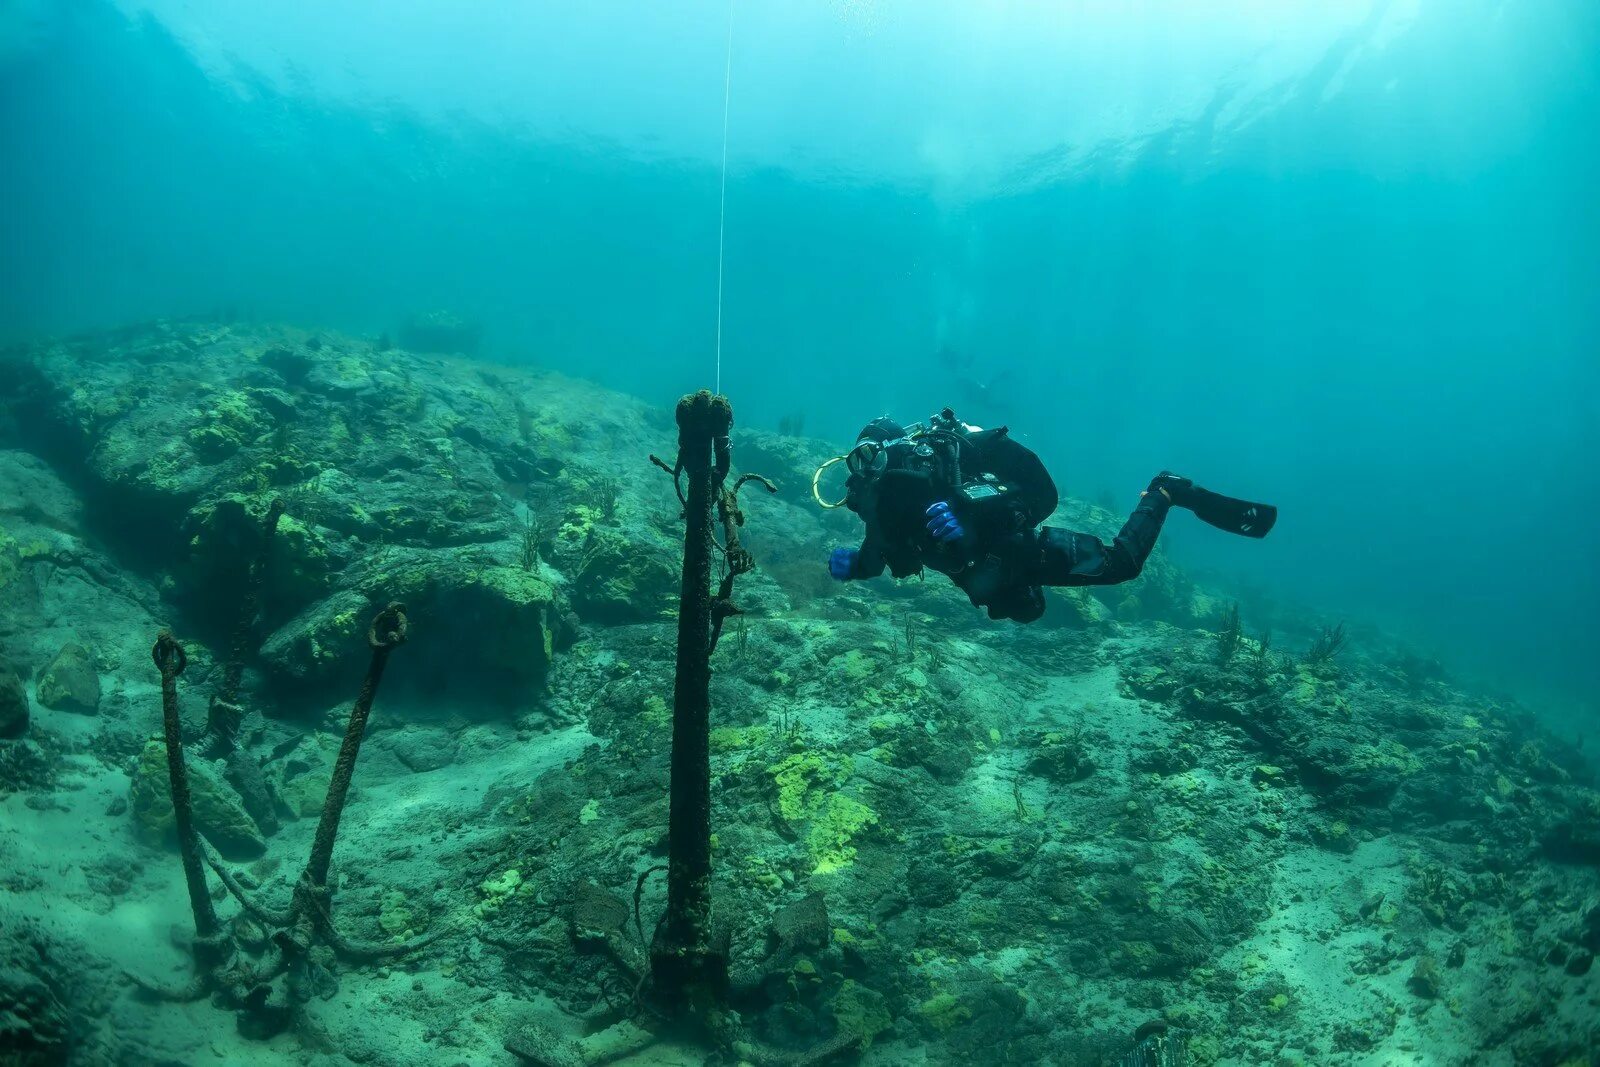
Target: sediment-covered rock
[58,584]
[70,682]
[402,479]
[254,789]
[220,815]
[422,749]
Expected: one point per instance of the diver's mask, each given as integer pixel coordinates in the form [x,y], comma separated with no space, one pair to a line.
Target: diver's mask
[865,462]
[924,453]
[933,450]
[871,458]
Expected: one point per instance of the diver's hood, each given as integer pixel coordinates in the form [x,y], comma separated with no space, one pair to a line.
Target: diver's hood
[881,429]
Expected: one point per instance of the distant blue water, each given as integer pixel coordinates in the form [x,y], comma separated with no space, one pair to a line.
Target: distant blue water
[1364,287]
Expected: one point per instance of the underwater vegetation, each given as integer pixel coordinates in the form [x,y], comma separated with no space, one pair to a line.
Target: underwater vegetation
[604,804]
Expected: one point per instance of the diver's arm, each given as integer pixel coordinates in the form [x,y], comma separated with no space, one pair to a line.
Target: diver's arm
[869,560]
[853,564]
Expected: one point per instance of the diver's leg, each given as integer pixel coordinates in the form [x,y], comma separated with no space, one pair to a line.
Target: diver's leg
[1068,558]
[1019,603]
[1000,583]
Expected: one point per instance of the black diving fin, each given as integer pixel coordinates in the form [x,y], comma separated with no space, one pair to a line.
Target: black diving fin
[1226,513]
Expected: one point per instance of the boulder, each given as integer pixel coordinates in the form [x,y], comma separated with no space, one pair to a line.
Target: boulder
[621,581]
[502,622]
[310,648]
[70,682]
[300,779]
[474,627]
[244,774]
[305,794]
[423,750]
[219,813]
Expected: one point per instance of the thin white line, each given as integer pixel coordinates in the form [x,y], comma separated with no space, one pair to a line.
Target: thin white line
[722,211]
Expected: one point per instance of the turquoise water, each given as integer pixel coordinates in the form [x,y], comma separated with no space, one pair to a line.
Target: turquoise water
[1338,256]
[308,308]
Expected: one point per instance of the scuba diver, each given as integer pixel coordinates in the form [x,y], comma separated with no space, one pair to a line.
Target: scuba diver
[967,502]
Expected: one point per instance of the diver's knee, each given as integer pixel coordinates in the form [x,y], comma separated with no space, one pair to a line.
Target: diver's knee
[1025,605]
[1123,567]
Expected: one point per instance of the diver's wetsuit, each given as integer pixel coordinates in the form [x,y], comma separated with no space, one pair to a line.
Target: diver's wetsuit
[1004,560]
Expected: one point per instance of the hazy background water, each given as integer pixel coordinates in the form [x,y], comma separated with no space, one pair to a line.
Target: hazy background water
[1341,256]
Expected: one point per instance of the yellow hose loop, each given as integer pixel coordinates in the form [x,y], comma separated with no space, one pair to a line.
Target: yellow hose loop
[816,492]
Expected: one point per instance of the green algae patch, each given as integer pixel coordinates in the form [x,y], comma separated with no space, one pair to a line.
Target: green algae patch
[739,738]
[656,712]
[854,666]
[397,918]
[501,884]
[830,835]
[944,1012]
[1267,774]
[1311,689]
[496,891]
[860,1011]
[804,781]
[231,422]
[807,786]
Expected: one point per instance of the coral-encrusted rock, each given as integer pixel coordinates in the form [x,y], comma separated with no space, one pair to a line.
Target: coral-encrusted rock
[1355,771]
[505,615]
[225,534]
[309,648]
[478,628]
[620,580]
[71,683]
[218,812]
[13,704]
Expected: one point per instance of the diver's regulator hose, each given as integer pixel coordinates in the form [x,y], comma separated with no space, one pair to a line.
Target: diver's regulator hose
[816,481]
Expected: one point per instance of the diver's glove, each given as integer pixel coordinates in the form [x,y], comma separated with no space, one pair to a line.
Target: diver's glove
[943,524]
[842,563]
[1179,490]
